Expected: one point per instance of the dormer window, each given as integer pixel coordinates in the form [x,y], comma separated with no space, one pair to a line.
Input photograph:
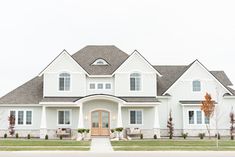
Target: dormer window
[64,82]
[100,62]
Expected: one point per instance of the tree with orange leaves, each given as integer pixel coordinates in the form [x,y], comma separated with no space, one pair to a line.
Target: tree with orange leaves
[208,107]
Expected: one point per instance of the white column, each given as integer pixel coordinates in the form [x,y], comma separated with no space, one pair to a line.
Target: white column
[156,122]
[43,126]
[119,118]
[81,118]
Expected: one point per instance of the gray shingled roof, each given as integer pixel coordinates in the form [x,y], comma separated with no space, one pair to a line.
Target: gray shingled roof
[192,101]
[73,99]
[111,54]
[170,75]
[29,93]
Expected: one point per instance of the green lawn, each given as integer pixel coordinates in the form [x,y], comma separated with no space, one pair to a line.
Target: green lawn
[20,142]
[24,145]
[155,145]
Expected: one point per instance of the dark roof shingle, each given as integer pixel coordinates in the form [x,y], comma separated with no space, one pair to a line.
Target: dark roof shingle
[111,54]
[29,93]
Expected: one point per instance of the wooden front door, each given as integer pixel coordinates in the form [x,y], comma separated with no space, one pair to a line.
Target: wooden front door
[100,120]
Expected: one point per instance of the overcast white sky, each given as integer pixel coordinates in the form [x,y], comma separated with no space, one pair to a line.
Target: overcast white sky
[33,33]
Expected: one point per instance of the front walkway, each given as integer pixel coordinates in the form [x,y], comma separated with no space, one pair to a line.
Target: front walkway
[101,144]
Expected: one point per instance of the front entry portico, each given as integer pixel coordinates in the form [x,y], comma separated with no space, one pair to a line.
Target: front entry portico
[100,123]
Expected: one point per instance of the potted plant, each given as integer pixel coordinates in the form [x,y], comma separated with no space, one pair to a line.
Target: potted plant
[81,134]
[119,133]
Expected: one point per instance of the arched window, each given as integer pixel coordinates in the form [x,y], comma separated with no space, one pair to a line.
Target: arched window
[100,61]
[196,86]
[64,82]
[135,82]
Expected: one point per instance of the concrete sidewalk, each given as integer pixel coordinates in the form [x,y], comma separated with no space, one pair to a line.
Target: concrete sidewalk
[101,144]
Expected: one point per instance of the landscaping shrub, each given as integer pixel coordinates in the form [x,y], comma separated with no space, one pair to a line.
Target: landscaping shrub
[112,130]
[155,137]
[119,129]
[46,137]
[184,135]
[201,135]
[28,136]
[81,131]
[232,137]
[17,135]
[170,126]
[61,137]
[5,135]
[141,136]
[87,130]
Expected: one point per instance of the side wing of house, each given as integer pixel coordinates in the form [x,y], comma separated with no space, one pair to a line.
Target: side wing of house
[186,95]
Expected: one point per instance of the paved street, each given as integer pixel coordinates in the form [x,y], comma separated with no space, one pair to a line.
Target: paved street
[116,154]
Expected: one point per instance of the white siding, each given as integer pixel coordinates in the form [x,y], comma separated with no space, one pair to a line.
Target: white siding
[64,63]
[148,77]
[97,80]
[36,117]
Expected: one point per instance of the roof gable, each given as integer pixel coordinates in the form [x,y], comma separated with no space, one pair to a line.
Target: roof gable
[139,58]
[205,69]
[62,60]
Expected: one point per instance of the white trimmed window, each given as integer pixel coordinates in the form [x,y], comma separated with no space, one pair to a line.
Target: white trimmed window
[28,117]
[64,117]
[22,117]
[191,117]
[135,82]
[100,61]
[199,117]
[64,82]
[196,86]
[136,116]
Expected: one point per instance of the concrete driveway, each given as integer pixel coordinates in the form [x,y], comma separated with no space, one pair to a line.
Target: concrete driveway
[116,154]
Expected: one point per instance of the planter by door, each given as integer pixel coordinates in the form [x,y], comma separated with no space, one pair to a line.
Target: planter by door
[100,123]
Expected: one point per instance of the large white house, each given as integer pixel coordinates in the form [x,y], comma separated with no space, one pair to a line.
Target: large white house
[102,87]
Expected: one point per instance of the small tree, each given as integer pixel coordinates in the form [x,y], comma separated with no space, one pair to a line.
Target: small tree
[208,108]
[11,120]
[232,122]
[170,126]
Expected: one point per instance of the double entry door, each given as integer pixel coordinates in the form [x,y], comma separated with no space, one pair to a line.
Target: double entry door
[100,123]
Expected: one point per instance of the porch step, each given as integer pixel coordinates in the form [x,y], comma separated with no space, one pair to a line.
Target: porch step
[100,144]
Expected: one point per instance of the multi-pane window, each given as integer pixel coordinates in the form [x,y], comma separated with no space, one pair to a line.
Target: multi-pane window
[64,82]
[28,117]
[196,86]
[63,117]
[199,117]
[135,82]
[108,86]
[20,117]
[191,117]
[136,117]
[207,120]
